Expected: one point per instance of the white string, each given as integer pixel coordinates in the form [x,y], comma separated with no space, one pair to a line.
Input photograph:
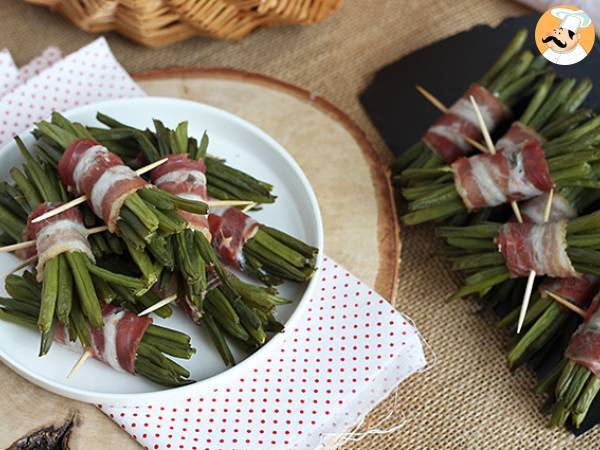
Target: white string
[334,441]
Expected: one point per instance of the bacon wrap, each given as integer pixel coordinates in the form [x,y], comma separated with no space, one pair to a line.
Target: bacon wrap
[576,290]
[446,137]
[516,137]
[184,178]
[231,229]
[88,168]
[584,347]
[486,180]
[533,210]
[116,343]
[58,234]
[542,248]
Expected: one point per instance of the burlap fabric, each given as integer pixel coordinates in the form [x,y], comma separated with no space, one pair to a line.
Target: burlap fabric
[468,399]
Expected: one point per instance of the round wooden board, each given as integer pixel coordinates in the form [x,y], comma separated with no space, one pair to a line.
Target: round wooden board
[345,171]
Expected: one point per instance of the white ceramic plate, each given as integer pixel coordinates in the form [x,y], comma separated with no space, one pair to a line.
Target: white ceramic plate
[296,211]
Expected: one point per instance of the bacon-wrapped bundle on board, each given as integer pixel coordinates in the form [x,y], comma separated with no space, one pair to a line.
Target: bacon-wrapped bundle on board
[526,165]
[575,382]
[499,252]
[505,82]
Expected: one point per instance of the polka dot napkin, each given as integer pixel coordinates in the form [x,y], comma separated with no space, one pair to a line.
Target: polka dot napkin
[88,75]
[349,351]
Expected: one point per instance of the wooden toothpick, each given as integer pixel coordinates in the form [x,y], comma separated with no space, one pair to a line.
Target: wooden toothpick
[158,305]
[85,355]
[432,99]
[486,134]
[548,208]
[515,206]
[249,207]
[21,265]
[18,246]
[531,278]
[27,244]
[443,108]
[231,203]
[567,304]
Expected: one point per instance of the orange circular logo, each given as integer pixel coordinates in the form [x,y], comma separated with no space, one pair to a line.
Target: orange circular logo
[564,35]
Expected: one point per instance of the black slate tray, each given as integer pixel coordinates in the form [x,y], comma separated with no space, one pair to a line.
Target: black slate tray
[446,68]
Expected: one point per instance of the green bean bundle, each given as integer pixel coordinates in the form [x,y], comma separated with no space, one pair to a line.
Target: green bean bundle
[70,278]
[141,347]
[223,181]
[494,253]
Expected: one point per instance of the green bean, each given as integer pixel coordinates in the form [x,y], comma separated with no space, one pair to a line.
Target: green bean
[168,334]
[150,271]
[505,57]
[269,259]
[575,99]
[514,70]
[49,295]
[485,230]
[131,238]
[558,97]
[481,285]
[219,340]
[11,224]
[550,315]
[585,400]
[538,99]
[142,211]
[64,301]
[26,187]
[38,175]
[477,260]
[18,318]
[169,347]
[564,124]
[406,158]
[85,288]
[127,216]
[580,377]
[23,307]
[433,213]
[156,198]
[472,244]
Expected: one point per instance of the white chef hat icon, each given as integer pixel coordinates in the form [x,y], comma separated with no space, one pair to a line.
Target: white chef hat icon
[571,20]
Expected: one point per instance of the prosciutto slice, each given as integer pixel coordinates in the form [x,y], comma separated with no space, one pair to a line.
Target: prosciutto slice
[538,247]
[486,180]
[584,347]
[58,234]
[231,228]
[116,343]
[576,290]
[533,210]
[446,137]
[88,168]
[516,137]
[185,178]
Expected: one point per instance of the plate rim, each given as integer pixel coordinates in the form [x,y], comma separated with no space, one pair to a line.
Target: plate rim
[139,399]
